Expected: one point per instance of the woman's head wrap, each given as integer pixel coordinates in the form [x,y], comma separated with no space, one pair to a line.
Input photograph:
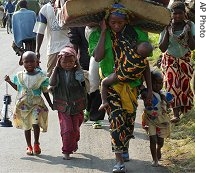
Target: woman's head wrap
[68,51]
[118,10]
[177,5]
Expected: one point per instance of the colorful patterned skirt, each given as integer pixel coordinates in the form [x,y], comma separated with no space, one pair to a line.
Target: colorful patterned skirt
[178,73]
[31,112]
[121,121]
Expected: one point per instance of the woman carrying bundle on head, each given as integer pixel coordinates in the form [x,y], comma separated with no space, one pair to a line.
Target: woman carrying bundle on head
[110,44]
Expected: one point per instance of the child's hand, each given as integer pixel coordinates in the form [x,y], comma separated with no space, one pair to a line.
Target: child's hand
[7,78]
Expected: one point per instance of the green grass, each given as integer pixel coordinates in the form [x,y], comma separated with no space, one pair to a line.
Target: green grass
[179,149]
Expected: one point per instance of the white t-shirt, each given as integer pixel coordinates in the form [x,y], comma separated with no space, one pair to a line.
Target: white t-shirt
[57,38]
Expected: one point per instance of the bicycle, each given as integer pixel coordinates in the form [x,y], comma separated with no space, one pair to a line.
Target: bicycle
[9,22]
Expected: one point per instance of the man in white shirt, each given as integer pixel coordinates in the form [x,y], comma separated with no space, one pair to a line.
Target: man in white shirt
[57,38]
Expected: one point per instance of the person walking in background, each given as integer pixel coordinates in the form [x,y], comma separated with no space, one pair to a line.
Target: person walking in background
[155,119]
[57,38]
[9,10]
[176,42]
[95,96]
[31,5]
[68,89]
[30,109]
[106,45]
[23,23]
[79,41]
[94,80]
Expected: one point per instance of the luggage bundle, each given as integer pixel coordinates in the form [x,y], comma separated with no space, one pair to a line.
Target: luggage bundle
[151,16]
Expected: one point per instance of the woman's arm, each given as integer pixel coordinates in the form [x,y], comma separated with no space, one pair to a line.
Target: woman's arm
[39,40]
[163,45]
[100,48]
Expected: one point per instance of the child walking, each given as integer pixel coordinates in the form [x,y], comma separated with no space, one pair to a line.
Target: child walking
[128,70]
[30,109]
[155,119]
[69,98]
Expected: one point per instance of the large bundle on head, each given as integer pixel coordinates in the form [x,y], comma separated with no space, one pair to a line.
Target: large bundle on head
[150,15]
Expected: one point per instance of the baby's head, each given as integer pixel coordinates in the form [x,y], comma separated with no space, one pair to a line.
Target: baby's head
[68,58]
[144,49]
[157,81]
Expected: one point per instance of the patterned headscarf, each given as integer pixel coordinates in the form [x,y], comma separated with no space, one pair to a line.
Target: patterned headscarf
[118,10]
[68,51]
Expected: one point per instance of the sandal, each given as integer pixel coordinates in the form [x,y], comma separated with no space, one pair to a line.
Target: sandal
[29,150]
[37,149]
[175,120]
[118,168]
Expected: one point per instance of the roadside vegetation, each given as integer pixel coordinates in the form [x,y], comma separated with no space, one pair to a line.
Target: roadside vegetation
[179,149]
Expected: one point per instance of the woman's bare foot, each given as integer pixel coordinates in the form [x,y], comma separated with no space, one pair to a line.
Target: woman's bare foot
[66,157]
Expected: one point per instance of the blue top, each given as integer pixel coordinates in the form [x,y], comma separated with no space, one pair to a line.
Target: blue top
[10,7]
[23,22]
